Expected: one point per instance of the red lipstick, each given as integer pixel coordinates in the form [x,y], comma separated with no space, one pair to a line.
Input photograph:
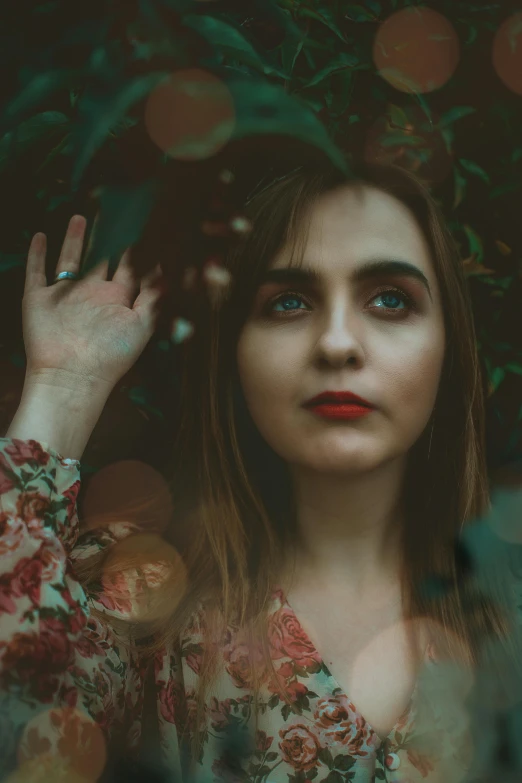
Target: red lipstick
[339,405]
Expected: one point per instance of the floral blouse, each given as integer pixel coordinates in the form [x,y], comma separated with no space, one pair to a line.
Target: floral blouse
[63,672]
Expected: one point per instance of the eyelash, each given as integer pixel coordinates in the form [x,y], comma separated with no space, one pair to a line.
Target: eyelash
[411,305]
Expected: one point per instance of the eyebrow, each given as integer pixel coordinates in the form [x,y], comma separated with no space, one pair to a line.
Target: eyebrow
[370,269]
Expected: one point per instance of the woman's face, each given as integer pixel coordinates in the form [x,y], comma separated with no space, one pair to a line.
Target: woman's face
[379,335]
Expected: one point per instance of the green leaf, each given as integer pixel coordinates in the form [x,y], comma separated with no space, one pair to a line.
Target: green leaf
[496,377]
[36,92]
[475,243]
[230,41]
[273,701]
[315,103]
[325,16]
[263,108]
[474,168]
[454,114]
[344,60]
[290,51]
[17,141]
[397,116]
[344,762]
[285,711]
[513,367]
[334,777]
[57,200]
[100,112]
[326,757]
[122,217]
[505,187]
[355,12]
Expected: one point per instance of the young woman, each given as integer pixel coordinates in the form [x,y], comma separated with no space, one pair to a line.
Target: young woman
[330,456]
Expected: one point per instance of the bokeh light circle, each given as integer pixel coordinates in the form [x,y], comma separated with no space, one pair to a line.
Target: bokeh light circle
[507,53]
[65,741]
[416,50]
[144,578]
[190,116]
[127,491]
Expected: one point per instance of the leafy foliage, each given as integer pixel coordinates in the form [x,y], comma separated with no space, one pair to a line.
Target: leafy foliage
[303,82]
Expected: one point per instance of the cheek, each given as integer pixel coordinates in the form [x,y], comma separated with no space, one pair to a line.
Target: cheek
[414,380]
[267,368]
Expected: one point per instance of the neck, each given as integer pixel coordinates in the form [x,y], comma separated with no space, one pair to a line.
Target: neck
[349,528]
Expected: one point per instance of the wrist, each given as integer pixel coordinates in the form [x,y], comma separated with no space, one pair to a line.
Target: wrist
[60,415]
[65,385]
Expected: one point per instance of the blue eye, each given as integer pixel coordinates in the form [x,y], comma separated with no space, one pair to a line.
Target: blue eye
[288,296]
[394,296]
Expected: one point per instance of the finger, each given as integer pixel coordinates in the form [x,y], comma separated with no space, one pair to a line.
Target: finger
[101,269]
[124,274]
[152,277]
[148,302]
[35,267]
[71,253]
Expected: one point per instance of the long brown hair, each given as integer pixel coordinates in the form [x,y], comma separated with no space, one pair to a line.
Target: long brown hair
[234,508]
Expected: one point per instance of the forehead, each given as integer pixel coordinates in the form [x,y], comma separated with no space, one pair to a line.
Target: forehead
[347,225]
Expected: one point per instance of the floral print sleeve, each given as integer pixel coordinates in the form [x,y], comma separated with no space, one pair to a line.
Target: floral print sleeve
[58,665]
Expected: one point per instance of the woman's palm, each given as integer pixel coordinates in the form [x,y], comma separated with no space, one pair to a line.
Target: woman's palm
[92,327]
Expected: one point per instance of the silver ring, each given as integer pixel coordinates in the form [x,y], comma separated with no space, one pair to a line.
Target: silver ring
[66,276]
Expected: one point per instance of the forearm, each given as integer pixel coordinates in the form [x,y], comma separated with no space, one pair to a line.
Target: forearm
[60,414]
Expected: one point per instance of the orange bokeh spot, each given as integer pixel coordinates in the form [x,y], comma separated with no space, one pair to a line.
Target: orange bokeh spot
[416,50]
[144,578]
[45,768]
[507,53]
[63,741]
[127,491]
[191,116]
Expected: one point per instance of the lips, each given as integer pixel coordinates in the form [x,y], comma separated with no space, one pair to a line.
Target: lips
[339,398]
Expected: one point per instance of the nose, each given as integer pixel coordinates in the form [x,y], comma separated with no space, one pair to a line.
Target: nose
[340,337]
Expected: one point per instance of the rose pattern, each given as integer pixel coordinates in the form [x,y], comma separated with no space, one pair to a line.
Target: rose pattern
[55,653]
[263,742]
[239,655]
[300,747]
[11,534]
[287,639]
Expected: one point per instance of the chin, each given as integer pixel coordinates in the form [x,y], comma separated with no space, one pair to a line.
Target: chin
[341,459]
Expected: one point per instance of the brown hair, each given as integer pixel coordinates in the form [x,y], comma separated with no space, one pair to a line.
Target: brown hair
[232,492]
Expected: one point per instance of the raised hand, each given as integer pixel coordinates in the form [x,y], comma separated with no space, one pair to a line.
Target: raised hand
[90,329]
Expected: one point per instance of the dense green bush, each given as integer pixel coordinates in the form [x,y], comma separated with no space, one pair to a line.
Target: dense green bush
[290,79]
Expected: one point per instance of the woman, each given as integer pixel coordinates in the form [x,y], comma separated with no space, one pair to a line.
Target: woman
[311,534]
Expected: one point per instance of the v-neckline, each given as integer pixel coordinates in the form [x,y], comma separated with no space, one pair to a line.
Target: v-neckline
[405,716]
